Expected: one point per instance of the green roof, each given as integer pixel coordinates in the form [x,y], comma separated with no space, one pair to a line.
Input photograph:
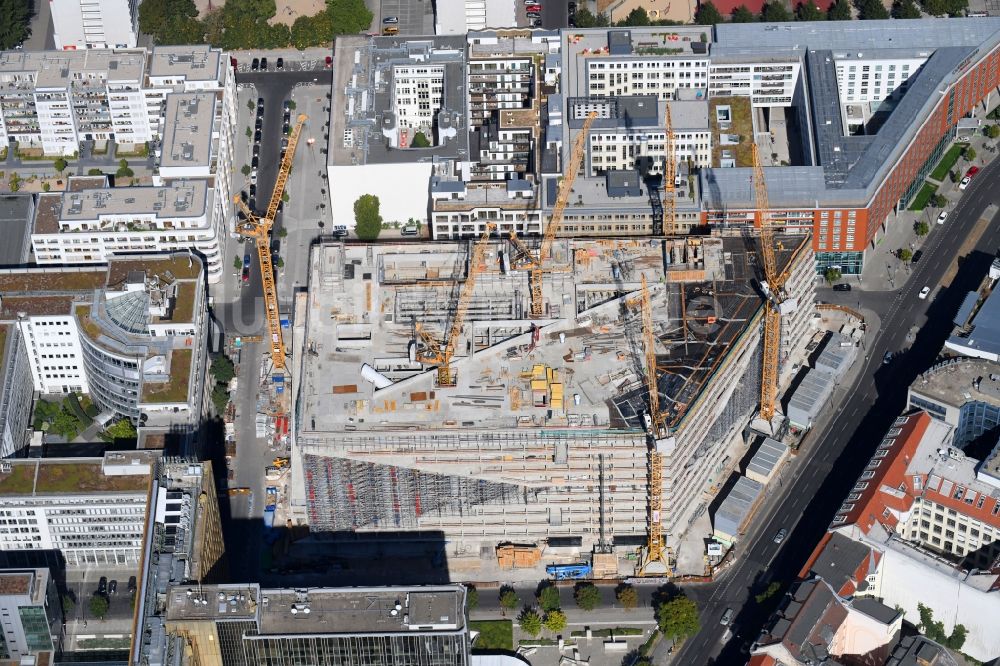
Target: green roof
[47,477]
[176,388]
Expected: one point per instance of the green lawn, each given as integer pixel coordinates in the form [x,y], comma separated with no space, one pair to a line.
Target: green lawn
[948,161]
[923,197]
[494,634]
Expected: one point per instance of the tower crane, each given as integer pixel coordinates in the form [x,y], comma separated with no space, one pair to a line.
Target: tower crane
[772,287]
[535,264]
[441,353]
[259,228]
[656,552]
[669,175]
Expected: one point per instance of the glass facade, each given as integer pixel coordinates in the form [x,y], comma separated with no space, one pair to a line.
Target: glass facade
[36,628]
[849,263]
[114,380]
[974,419]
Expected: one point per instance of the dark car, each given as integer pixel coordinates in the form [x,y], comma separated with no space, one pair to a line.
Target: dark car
[246,275]
[253,190]
[131,584]
[286,106]
[256,136]
[246,261]
[256,149]
[571,6]
[887,359]
[258,123]
[287,117]
[572,22]
[280,64]
[537,23]
[260,103]
[255,64]
[113,587]
[263,64]
[244,197]
[329,62]
[255,162]
[842,287]
[285,128]
[916,256]
[102,585]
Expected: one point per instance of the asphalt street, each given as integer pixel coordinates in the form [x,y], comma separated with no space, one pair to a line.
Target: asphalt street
[837,456]
[555,14]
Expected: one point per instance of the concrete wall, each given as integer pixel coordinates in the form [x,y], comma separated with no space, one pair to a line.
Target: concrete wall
[402,189]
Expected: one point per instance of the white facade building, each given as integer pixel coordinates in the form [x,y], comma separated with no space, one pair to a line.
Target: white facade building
[660,76]
[766,84]
[456,17]
[105,24]
[418,92]
[863,79]
[54,353]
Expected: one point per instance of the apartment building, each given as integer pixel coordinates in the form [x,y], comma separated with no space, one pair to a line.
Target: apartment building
[104,24]
[16,391]
[31,608]
[93,510]
[50,101]
[463,209]
[129,334]
[771,83]
[88,226]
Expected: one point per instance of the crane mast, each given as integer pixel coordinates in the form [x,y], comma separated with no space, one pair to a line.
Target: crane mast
[536,263]
[259,228]
[440,354]
[669,175]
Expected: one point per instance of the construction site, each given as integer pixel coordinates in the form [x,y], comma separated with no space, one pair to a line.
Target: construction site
[429,397]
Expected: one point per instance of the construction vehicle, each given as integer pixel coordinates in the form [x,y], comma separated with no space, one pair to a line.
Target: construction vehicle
[669,177]
[655,559]
[776,303]
[280,462]
[568,571]
[271,498]
[524,257]
[259,229]
[438,353]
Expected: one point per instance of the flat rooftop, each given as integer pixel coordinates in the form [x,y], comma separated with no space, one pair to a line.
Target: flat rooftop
[187,130]
[63,69]
[192,63]
[70,281]
[53,476]
[15,221]
[960,380]
[179,199]
[579,369]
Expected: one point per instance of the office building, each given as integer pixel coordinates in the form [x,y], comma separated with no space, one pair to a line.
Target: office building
[16,392]
[106,24]
[129,334]
[92,510]
[31,609]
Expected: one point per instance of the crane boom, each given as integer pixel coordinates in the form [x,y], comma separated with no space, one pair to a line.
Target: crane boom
[655,547]
[442,353]
[536,264]
[669,175]
[259,228]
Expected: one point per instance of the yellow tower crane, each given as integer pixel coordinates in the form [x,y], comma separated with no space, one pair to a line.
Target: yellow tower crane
[655,559]
[259,228]
[535,264]
[441,353]
[669,176]
[773,289]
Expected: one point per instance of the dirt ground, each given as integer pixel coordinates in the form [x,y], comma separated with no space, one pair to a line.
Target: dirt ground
[289,10]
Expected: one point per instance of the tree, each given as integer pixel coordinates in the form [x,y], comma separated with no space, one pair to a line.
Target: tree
[282,232]
[171,21]
[993,131]
[238,263]
[627,596]
[970,154]
[555,621]
[635,18]
[905,9]
[251,104]
[120,431]
[941,7]
[808,11]
[904,254]
[98,605]
[68,604]
[249,132]
[871,10]
[471,597]
[245,169]
[953,176]
[279,263]
[95,172]
[840,10]
[348,16]
[939,201]
[124,172]
[14,18]
[587,596]
[286,197]
[831,275]
[742,15]
[530,621]
[367,220]
[420,141]
[222,368]
[60,165]
[774,12]
[220,398]
[508,599]
[586,19]
[957,638]
[707,14]
[921,228]
[548,598]
[771,590]
[678,617]
[311,31]
[46,187]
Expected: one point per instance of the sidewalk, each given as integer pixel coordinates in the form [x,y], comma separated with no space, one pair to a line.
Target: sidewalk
[883,270]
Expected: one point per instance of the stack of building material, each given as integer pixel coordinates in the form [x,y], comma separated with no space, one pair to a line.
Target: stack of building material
[516,556]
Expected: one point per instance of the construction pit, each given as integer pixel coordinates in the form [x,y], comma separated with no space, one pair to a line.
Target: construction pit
[541,442]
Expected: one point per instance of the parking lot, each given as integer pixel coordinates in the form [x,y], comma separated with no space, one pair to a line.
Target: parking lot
[416,17]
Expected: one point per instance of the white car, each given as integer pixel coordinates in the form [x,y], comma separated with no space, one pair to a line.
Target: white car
[253,177]
[924,293]
[965,182]
[942,217]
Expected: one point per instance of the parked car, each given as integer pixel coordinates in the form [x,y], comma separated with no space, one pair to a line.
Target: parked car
[253,177]
[965,182]
[256,136]
[260,104]
[924,293]
[280,64]
[943,216]
[256,149]
[409,230]
[255,64]
[841,286]
[727,617]
[255,162]
[246,275]
[263,64]
[246,260]
[534,16]
[286,106]
[533,8]
[329,62]
[571,22]
[253,190]
[258,124]
[916,256]
[571,6]
[340,231]
[780,536]
[973,170]
[390,20]
[113,587]
[536,23]
[131,584]
[102,585]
